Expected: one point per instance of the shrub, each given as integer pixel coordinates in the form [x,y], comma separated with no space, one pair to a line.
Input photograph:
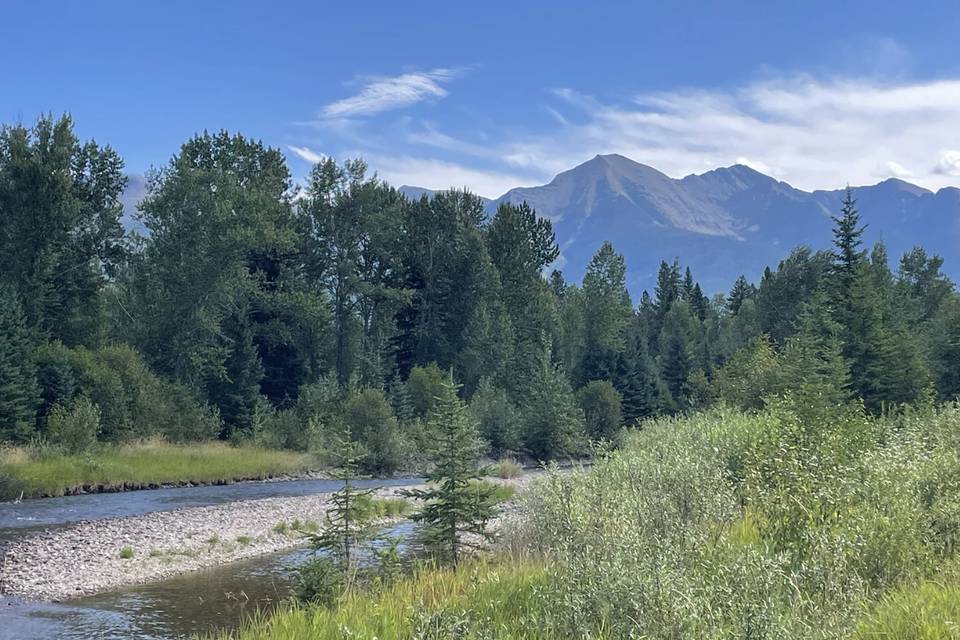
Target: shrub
[371,422]
[600,402]
[126,553]
[74,428]
[497,417]
[424,385]
[319,580]
[506,469]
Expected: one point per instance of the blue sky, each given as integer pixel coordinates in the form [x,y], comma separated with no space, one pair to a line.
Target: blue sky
[498,94]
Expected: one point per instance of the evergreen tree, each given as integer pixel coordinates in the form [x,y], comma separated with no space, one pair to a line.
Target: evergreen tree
[637,378]
[741,291]
[456,506]
[19,395]
[678,352]
[552,420]
[347,527]
[607,312]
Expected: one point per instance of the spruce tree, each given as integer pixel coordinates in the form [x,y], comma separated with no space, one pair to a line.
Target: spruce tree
[552,420]
[741,291]
[19,395]
[456,506]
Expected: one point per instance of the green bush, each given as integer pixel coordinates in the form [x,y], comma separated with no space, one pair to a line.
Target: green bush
[423,386]
[134,402]
[497,417]
[319,581]
[600,402]
[370,418]
[74,428]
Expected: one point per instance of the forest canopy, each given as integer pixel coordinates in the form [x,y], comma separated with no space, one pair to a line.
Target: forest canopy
[253,309]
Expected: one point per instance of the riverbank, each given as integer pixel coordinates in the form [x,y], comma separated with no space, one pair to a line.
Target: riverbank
[102,555]
[148,465]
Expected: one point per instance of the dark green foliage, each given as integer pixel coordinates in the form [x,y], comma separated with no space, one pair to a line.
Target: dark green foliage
[497,417]
[257,310]
[18,384]
[945,349]
[637,377]
[60,233]
[369,417]
[423,387]
[606,314]
[678,351]
[456,508]
[600,402]
[552,419]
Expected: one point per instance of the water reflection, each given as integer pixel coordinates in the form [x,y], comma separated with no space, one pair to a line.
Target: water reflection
[176,608]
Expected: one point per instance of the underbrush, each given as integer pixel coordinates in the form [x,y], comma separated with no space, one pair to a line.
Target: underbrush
[46,471]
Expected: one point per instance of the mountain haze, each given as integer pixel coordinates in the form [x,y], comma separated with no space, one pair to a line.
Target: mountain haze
[724,222]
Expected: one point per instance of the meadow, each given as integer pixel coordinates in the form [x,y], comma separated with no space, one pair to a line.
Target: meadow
[48,471]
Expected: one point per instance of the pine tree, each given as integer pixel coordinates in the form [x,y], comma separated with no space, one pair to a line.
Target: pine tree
[637,378]
[19,395]
[678,352]
[346,530]
[607,312]
[847,240]
[741,291]
[552,420]
[456,506]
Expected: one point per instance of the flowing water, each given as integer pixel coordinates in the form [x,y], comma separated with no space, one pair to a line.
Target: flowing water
[220,597]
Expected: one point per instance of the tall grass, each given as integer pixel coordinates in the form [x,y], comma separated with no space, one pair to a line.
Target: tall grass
[498,598]
[50,473]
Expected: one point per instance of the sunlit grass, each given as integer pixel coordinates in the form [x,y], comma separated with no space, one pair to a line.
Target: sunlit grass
[492,598]
[141,464]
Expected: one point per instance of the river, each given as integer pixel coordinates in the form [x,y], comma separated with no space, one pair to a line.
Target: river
[175,608]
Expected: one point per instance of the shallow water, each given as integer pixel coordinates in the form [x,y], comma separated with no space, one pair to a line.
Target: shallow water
[216,598]
[44,513]
[179,607]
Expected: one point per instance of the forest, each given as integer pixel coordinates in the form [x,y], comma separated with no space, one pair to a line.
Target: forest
[246,308]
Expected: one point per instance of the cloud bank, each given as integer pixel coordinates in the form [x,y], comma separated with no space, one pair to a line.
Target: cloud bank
[813,133]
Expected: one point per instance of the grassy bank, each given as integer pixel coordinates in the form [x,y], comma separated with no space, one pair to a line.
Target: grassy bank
[493,598]
[39,473]
[799,522]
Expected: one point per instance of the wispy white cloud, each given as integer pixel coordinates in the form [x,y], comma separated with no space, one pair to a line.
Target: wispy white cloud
[386,93]
[306,153]
[811,133]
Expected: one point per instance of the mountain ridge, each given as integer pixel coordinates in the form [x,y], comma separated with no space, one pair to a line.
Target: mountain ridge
[723,222]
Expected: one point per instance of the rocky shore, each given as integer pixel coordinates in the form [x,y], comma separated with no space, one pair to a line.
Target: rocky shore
[102,555]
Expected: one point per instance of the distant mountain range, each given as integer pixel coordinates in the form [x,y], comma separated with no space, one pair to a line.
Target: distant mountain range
[722,223]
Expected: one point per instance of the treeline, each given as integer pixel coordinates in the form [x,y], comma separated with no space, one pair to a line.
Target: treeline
[253,309]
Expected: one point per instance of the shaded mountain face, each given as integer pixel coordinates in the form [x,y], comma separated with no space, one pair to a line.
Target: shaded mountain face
[722,223]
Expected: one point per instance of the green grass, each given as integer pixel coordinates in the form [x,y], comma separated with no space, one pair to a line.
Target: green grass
[506,469]
[126,553]
[929,611]
[488,598]
[140,465]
